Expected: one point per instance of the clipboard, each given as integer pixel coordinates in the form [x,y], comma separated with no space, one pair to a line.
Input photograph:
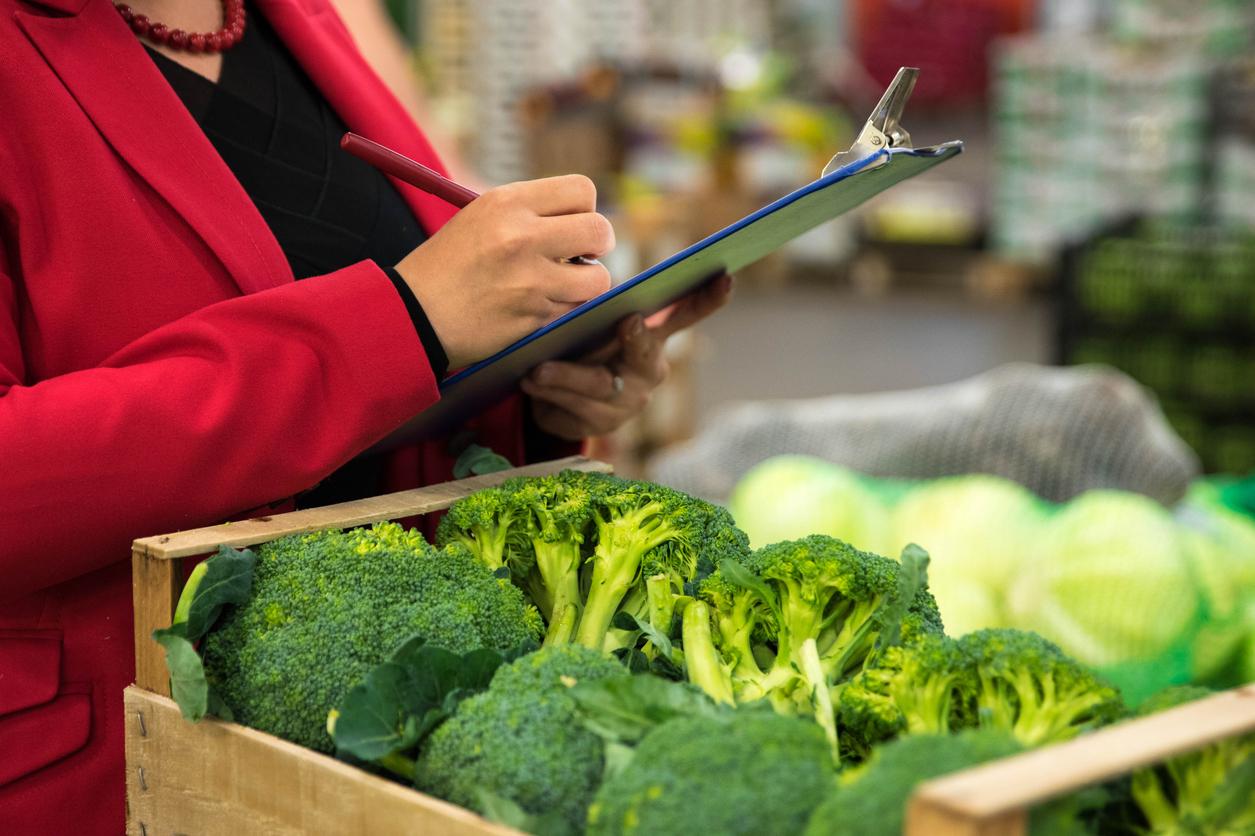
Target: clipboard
[881,157]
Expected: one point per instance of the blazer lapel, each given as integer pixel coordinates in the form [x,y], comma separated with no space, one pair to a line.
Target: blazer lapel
[106,69]
[323,47]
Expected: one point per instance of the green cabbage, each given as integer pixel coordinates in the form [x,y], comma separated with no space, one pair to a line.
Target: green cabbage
[1109,581]
[791,497]
[977,531]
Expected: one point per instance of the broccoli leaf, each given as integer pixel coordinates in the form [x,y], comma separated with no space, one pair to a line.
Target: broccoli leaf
[624,709]
[404,699]
[739,575]
[225,578]
[187,675]
[476,460]
[911,579]
[502,810]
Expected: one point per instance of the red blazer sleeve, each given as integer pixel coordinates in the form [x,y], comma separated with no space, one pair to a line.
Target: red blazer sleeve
[239,404]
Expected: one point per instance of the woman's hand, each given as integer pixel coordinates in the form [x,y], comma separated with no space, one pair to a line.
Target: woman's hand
[600,392]
[494,273]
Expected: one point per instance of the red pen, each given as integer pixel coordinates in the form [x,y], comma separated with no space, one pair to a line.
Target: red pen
[418,175]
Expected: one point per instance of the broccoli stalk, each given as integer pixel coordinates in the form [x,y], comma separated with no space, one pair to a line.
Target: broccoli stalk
[636,524]
[554,516]
[702,662]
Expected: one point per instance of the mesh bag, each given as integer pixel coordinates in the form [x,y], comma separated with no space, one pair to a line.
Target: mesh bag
[1057,431]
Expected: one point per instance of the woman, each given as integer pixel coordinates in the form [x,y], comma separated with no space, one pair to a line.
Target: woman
[205,311]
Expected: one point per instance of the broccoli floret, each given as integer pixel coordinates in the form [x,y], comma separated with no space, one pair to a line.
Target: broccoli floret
[917,688]
[1210,790]
[871,800]
[488,523]
[748,773]
[796,618]
[1028,686]
[521,739]
[587,546]
[326,607]
[644,530]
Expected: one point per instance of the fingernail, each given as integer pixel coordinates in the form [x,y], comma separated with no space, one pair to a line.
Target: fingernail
[637,326]
[544,375]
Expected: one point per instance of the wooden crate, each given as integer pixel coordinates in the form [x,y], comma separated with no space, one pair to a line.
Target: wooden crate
[221,779]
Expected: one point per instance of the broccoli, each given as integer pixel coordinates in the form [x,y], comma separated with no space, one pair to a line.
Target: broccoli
[795,620]
[521,740]
[486,522]
[326,607]
[1028,686]
[871,800]
[587,546]
[749,772]
[1211,790]
[917,688]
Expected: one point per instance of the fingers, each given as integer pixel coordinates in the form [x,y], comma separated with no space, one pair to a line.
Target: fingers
[591,381]
[696,306]
[591,416]
[566,195]
[583,233]
[574,284]
[642,350]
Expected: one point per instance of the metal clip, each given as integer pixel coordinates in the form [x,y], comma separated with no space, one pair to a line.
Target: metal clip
[883,128]
[143,729]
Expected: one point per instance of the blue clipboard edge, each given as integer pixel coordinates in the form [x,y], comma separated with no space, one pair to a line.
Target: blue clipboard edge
[823,182]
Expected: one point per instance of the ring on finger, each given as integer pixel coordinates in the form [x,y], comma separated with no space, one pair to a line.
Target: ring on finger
[617,384]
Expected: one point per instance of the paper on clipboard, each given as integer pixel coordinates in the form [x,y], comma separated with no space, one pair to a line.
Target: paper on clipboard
[879,158]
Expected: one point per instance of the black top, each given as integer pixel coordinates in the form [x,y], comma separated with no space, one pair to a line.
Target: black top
[326,208]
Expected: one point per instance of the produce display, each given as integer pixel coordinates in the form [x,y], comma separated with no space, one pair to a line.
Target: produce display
[582,653]
[1147,596]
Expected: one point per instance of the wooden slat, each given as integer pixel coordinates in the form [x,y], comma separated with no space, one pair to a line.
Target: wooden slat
[220,779]
[155,586]
[924,819]
[992,791]
[345,514]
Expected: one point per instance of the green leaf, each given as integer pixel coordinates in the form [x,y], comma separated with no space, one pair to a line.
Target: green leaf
[507,812]
[912,577]
[226,578]
[626,708]
[477,461]
[218,707]
[187,675]
[403,700]
[374,714]
[625,621]
[739,575]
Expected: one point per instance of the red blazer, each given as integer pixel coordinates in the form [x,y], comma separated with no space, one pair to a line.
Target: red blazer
[159,368]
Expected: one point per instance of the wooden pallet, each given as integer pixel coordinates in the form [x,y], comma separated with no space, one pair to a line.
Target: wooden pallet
[214,778]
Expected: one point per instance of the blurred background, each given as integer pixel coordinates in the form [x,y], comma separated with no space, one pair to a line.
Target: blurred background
[1101,213]
[1037,361]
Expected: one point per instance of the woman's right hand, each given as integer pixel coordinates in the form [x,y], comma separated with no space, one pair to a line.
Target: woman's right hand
[495,272]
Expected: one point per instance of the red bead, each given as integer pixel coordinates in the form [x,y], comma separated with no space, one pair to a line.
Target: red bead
[233,22]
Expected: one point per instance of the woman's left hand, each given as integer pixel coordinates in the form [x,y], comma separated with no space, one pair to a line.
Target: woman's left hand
[600,392]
